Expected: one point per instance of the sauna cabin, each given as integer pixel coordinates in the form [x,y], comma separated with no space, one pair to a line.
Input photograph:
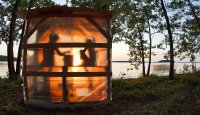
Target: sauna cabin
[66,56]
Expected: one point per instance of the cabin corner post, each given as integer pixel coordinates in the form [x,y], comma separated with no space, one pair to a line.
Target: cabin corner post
[109,68]
[24,57]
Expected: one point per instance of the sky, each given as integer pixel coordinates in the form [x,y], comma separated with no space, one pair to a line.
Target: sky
[119,50]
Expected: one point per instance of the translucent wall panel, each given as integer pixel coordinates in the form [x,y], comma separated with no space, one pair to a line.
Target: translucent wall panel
[32,38]
[45,88]
[78,89]
[77,57]
[32,24]
[82,89]
[69,30]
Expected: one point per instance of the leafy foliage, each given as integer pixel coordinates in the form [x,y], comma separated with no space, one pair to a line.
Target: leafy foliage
[188,36]
[6,13]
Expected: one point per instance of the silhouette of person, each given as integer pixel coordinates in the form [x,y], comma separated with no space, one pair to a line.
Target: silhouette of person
[48,60]
[48,53]
[91,59]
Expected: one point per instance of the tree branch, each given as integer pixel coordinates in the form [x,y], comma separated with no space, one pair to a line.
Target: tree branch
[11,3]
[194,13]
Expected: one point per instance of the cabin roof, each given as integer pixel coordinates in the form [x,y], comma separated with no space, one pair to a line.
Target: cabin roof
[64,11]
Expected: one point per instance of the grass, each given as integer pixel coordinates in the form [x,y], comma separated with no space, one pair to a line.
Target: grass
[11,97]
[152,95]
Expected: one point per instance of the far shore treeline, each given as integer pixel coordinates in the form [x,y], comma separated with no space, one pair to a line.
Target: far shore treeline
[4,58]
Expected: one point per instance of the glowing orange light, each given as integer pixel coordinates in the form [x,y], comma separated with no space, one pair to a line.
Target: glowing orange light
[77,60]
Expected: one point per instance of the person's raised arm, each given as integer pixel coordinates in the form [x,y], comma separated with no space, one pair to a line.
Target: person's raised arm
[61,53]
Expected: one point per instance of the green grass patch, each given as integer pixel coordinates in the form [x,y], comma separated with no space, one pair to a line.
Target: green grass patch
[155,95]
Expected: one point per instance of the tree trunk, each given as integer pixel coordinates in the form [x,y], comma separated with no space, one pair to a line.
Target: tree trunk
[150,45]
[150,41]
[194,14]
[10,53]
[20,51]
[19,56]
[171,71]
[142,50]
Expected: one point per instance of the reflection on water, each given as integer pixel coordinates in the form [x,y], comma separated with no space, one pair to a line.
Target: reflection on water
[121,69]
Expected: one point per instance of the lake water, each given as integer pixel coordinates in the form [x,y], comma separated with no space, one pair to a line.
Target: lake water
[122,69]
